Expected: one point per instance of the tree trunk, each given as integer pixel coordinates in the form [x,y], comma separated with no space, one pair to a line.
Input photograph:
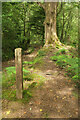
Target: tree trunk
[28,36]
[61,38]
[50,24]
[24,22]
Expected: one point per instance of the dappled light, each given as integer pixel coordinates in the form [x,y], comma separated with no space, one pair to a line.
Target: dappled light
[40,60]
[32,55]
[46,88]
[65,91]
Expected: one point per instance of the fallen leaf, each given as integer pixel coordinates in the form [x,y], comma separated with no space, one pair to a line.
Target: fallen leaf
[24,112]
[30,108]
[37,102]
[57,96]
[69,80]
[64,98]
[54,99]
[40,110]
[50,90]
[70,115]
[76,112]
[8,112]
[58,110]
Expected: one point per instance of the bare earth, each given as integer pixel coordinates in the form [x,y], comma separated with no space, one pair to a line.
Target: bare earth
[54,99]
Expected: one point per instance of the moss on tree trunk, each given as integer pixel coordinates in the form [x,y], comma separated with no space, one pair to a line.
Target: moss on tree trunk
[50,24]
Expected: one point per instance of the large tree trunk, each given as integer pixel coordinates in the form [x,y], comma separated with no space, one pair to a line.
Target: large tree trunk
[50,24]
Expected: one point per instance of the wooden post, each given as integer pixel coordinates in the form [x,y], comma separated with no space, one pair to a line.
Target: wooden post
[19,73]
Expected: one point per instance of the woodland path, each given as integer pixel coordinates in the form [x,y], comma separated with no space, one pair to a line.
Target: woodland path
[54,99]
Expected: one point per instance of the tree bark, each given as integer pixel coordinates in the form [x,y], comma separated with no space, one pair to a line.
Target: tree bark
[24,15]
[28,36]
[50,24]
[61,38]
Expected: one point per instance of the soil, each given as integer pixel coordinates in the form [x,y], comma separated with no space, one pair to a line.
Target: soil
[54,99]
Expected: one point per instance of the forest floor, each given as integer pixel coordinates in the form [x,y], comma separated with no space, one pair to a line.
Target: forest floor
[54,98]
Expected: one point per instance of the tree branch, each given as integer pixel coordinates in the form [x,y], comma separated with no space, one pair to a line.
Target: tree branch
[42,5]
[60,8]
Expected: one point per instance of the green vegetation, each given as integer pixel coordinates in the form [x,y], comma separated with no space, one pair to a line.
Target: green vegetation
[12,70]
[67,18]
[42,53]
[38,59]
[30,50]
[9,84]
[66,60]
[23,26]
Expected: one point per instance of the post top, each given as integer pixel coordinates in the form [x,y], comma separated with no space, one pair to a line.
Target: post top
[18,49]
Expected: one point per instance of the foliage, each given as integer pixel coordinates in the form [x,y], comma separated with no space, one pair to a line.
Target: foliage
[22,26]
[30,50]
[41,53]
[27,62]
[12,70]
[67,23]
[38,59]
[61,51]
[27,95]
[9,81]
[9,84]
[68,62]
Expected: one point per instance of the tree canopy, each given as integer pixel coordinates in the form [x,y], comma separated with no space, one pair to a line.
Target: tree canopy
[23,25]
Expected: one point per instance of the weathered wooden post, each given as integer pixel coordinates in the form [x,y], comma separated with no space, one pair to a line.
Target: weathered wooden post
[19,72]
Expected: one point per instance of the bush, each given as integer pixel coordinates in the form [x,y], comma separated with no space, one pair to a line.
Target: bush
[68,62]
[41,53]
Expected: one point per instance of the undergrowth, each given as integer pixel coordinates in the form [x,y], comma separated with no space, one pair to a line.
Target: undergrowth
[9,84]
[65,59]
[30,50]
[38,59]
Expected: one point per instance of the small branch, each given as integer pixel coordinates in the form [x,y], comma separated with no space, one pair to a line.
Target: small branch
[42,5]
[60,8]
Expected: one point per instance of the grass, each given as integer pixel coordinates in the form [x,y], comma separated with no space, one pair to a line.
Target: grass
[42,52]
[9,84]
[38,58]
[12,70]
[28,93]
[37,82]
[34,77]
[28,62]
[66,60]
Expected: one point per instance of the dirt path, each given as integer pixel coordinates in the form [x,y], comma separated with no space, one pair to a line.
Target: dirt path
[54,99]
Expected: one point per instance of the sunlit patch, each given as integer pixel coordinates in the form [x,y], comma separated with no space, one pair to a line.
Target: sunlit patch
[8,112]
[65,91]
[32,55]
